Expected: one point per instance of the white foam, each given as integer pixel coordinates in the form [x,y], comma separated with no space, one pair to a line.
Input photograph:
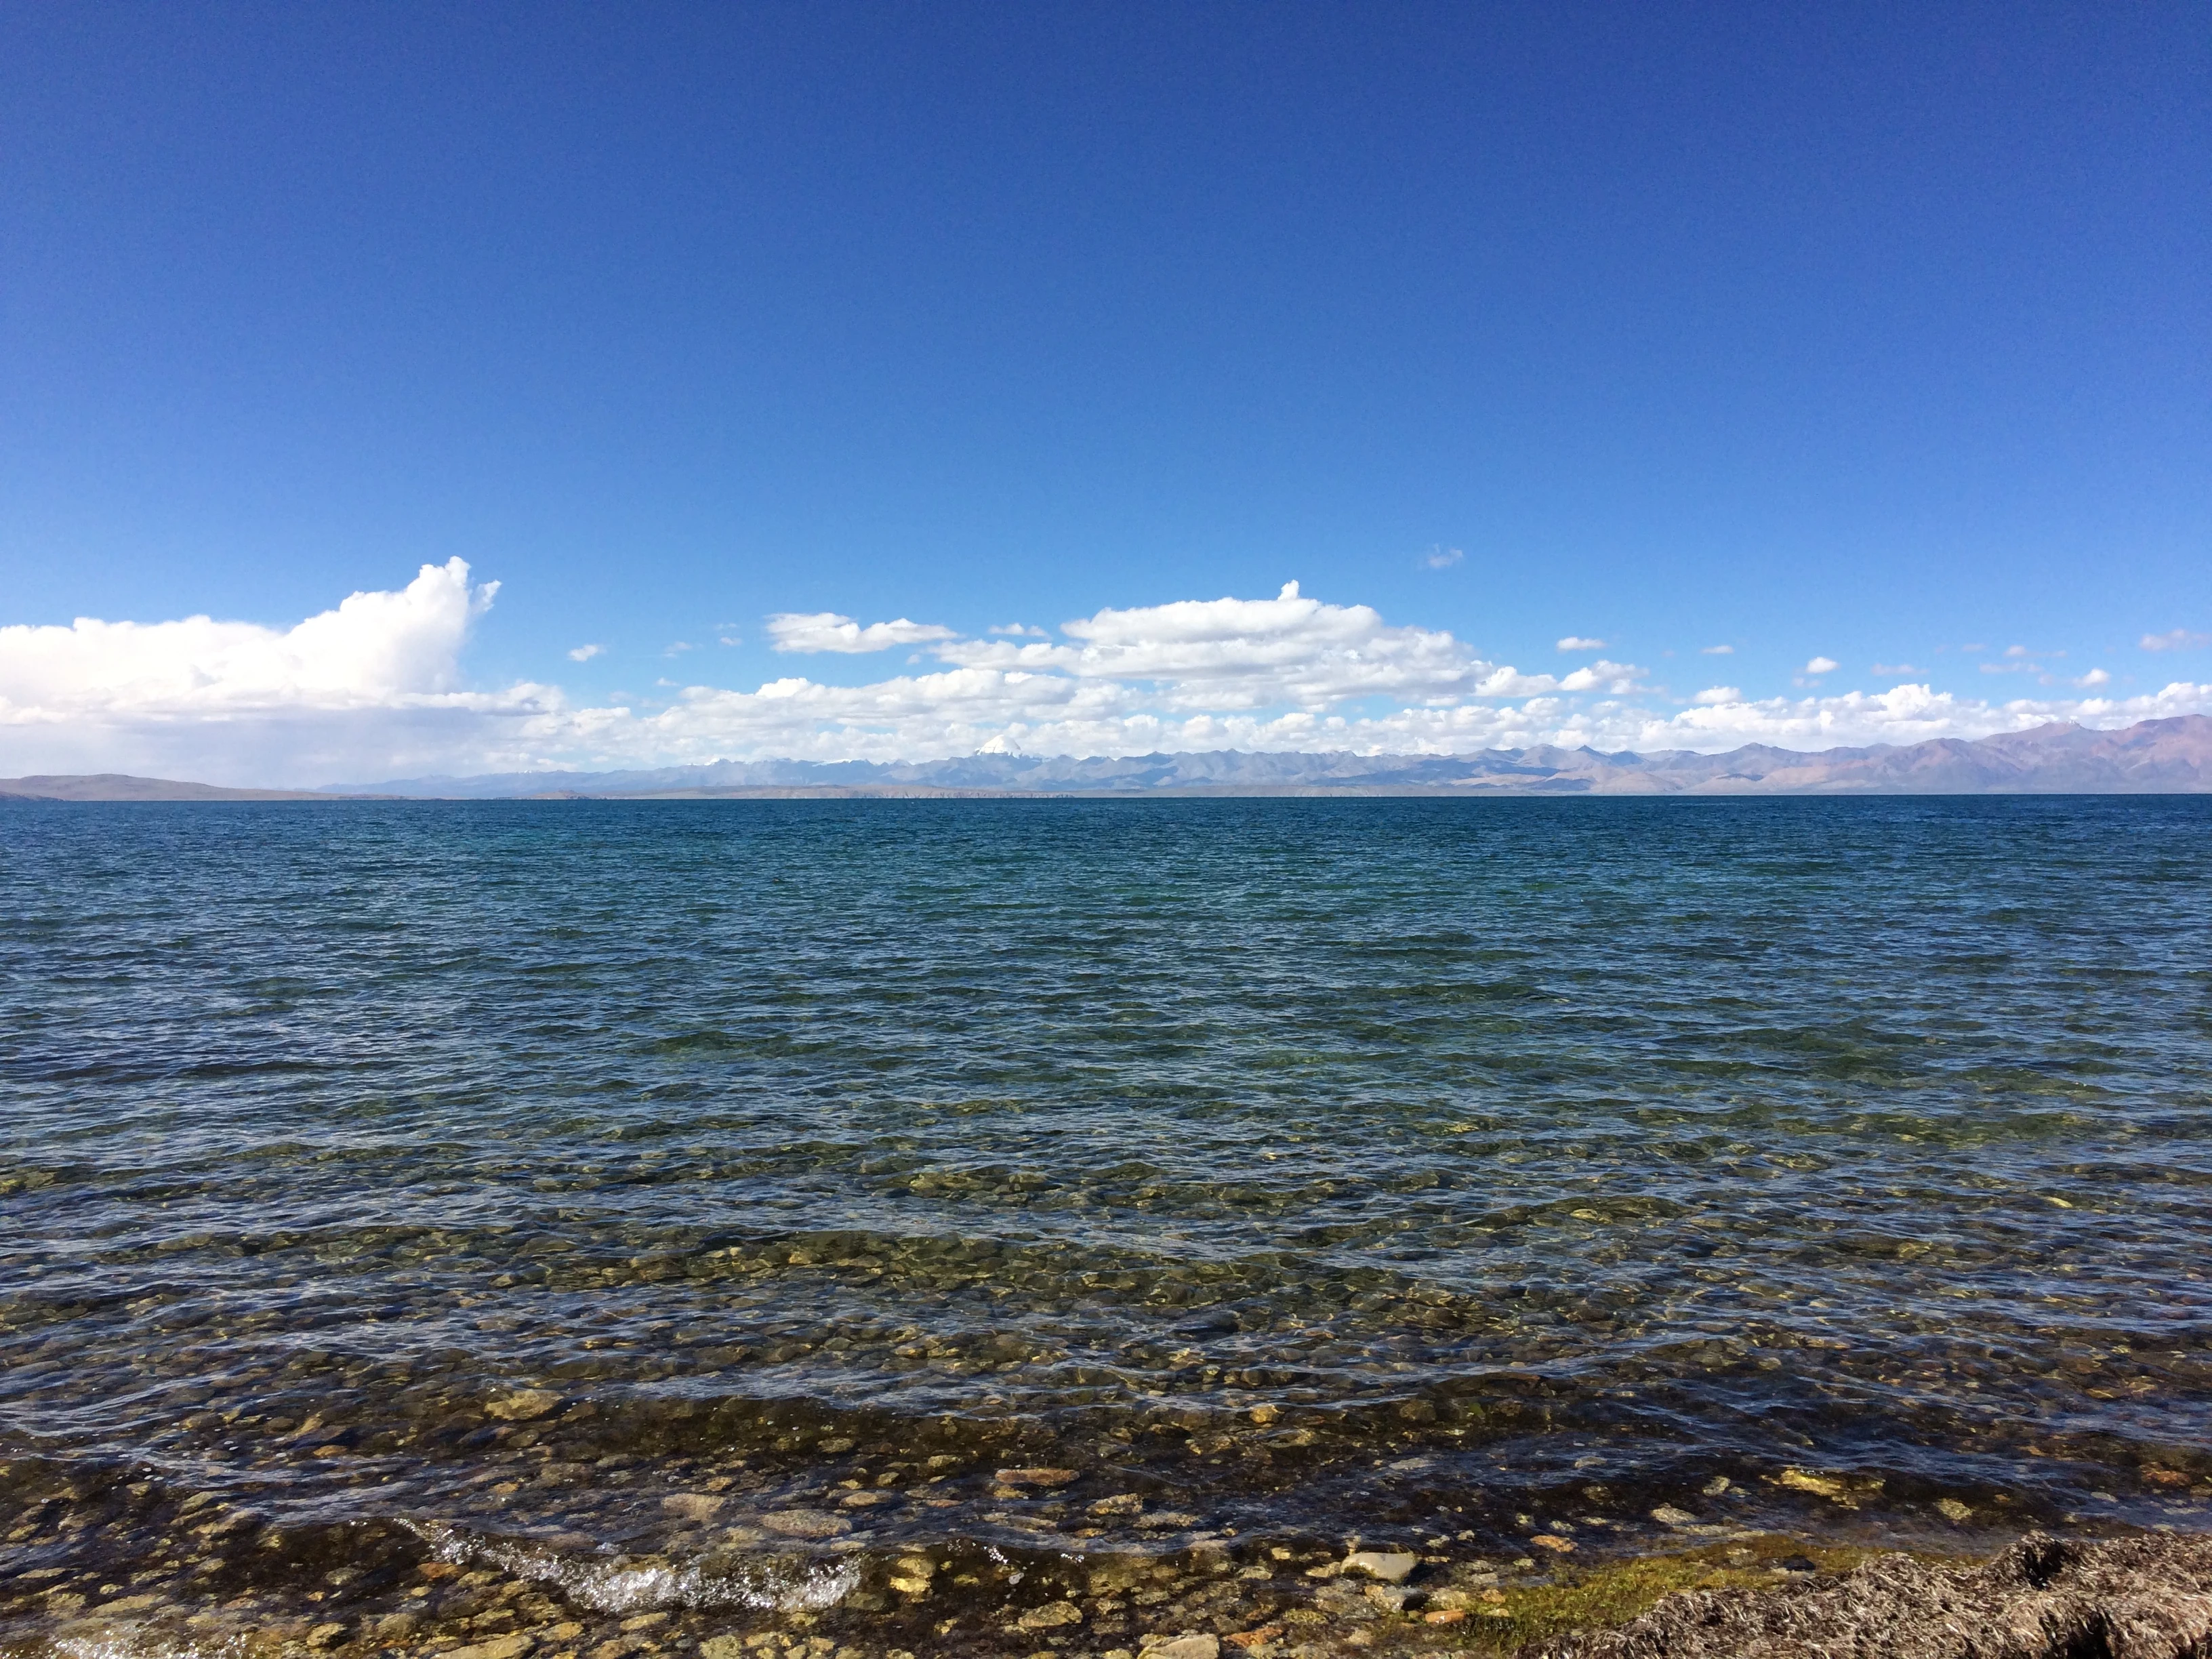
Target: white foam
[772,1584]
[131,1643]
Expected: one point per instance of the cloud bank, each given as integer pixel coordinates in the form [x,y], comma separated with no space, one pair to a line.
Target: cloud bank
[375,688]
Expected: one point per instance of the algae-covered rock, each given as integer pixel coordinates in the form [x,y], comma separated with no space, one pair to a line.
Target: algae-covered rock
[2044,1598]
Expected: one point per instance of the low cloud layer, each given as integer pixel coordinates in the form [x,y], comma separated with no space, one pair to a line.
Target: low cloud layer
[376,688]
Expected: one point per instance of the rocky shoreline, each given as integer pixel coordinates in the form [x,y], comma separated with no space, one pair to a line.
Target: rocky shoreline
[2148,1597]
[2043,1598]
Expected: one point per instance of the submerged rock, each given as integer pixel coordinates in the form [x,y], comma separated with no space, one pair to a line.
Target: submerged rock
[1391,1566]
[523,1404]
[806,1523]
[1183,1647]
[2139,1598]
[1036,1477]
[1051,1615]
[504,1647]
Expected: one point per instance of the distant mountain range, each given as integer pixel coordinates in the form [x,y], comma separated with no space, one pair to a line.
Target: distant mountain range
[2164,756]
[2157,757]
[118,787]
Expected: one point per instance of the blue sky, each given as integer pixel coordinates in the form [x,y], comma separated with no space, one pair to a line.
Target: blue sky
[1865,335]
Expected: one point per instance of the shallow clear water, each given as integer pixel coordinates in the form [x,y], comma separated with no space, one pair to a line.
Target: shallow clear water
[614,1184]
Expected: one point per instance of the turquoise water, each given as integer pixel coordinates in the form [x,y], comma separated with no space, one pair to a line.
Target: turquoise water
[1440,1172]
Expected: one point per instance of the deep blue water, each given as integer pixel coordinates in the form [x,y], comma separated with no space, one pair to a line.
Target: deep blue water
[1441,1171]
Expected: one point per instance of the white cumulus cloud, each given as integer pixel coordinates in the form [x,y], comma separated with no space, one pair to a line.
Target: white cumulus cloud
[376,688]
[379,677]
[825,630]
[373,648]
[1619,677]
[1822,666]
[2178,639]
[585,653]
[1577,642]
[1242,654]
[1903,714]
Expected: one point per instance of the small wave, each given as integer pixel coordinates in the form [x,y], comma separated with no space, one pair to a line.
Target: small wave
[129,1644]
[772,1584]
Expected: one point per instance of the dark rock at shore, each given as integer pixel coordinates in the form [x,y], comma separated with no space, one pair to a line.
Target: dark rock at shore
[2138,1598]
